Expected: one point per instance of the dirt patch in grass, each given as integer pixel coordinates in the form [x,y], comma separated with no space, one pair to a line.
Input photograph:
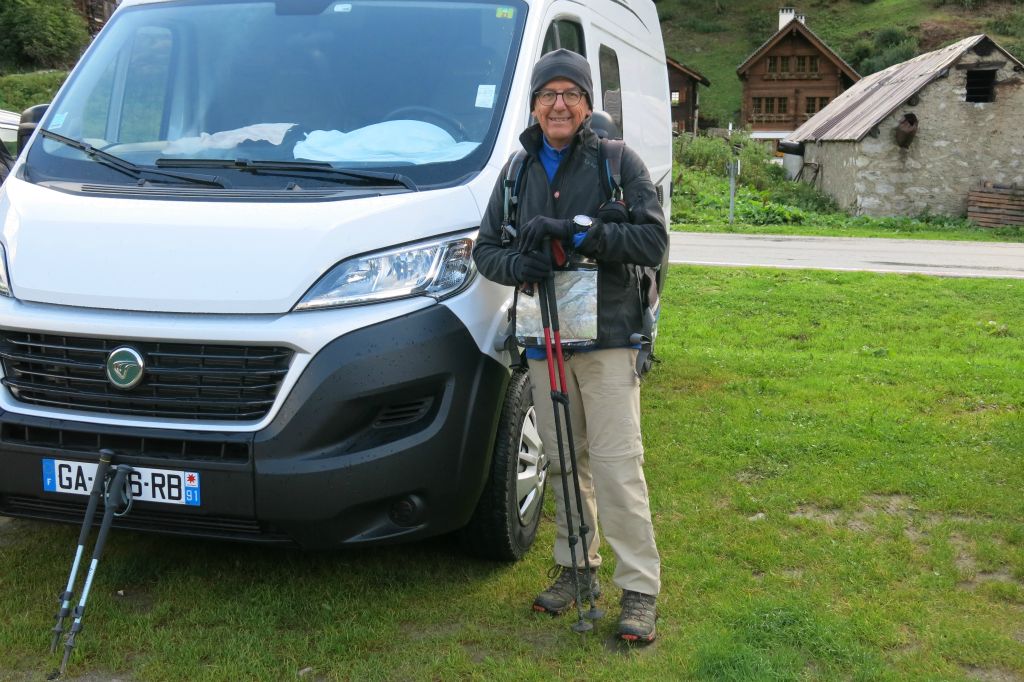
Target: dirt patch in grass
[814,513]
[1000,576]
[967,565]
[896,506]
[991,674]
[751,476]
[135,599]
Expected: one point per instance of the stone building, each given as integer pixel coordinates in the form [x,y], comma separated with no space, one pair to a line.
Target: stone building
[918,136]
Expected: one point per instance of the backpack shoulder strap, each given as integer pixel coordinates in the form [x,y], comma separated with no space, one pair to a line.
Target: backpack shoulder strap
[610,156]
[511,186]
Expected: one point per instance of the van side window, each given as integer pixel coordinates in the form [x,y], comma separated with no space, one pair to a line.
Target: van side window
[564,33]
[611,86]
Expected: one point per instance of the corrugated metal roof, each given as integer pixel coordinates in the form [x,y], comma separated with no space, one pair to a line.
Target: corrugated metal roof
[851,115]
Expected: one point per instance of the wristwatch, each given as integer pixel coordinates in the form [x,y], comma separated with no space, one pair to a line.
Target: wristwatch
[583,222]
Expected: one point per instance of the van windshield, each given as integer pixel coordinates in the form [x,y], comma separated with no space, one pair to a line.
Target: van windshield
[407,87]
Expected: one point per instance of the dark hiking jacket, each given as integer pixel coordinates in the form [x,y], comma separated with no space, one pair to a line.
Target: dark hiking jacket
[577,188]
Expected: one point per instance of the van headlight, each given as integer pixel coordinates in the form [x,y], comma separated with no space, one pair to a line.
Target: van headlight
[5,282]
[438,268]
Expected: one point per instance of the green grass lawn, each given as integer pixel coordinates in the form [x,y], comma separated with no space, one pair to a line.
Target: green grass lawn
[835,463]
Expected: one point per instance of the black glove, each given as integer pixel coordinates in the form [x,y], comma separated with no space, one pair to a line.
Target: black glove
[533,266]
[532,234]
[613,211]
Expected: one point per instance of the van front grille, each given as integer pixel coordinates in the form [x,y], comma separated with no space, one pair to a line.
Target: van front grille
[180,381]
[206,449]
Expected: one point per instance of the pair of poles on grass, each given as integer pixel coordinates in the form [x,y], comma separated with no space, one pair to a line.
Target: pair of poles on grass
[560,405]
[115,494]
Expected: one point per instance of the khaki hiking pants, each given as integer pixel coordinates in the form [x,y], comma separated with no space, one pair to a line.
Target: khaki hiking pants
[604,405]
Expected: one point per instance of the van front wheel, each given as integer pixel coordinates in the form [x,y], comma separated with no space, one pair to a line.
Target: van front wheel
[505,522]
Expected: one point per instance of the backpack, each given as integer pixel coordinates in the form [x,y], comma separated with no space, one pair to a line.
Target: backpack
[610,158]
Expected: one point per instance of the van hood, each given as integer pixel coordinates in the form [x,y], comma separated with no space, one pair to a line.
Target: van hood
[202,256]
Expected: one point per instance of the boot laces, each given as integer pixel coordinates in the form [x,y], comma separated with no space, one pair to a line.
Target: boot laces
[637,605]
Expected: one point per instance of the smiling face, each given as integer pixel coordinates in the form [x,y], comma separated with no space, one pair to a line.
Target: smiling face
[558,121]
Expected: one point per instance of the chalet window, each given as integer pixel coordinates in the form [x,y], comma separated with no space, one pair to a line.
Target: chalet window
[784,64]
[769,105]
[611,86]
[981,85]
[783,105]
[801,64]
[814,64]
[773,64]
[675,98]
[811,106]
[756,105]
[822,103]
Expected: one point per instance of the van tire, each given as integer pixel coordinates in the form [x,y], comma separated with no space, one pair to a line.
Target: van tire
[499,529]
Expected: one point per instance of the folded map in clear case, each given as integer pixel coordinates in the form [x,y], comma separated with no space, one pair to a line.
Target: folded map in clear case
[576,298]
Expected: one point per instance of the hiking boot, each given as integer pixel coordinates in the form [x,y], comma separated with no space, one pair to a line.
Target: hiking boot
[561,596]
[636,622]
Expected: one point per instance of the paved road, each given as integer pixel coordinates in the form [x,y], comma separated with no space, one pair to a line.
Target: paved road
[929,257]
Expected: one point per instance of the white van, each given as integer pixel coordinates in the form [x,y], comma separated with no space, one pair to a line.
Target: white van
[236,252]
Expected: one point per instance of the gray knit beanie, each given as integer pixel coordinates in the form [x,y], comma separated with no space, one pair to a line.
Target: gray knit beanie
[562,64]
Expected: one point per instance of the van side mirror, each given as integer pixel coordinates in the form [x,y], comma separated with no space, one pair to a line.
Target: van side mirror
[30,118]
[603,125]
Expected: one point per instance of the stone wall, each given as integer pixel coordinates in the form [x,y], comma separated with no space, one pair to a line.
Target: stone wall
[958,146]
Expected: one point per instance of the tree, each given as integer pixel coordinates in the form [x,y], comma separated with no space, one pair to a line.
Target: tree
[41,33]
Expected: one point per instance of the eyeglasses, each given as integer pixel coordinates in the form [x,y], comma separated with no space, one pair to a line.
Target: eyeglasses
[548,97]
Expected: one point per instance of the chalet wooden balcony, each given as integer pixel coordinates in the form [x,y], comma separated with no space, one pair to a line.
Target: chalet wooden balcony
[771,118]
[792,76]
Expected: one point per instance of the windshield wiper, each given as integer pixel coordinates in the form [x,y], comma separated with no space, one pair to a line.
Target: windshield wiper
[127,167]
[287,167]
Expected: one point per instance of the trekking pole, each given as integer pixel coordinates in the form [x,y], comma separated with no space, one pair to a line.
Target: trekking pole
[557,398]
[110,505]
[552,305]
[90,512]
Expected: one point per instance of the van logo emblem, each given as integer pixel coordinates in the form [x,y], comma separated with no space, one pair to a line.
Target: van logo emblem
[125,367]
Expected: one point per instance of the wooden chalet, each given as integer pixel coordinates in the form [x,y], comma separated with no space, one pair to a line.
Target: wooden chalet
[682,85]
[791,77]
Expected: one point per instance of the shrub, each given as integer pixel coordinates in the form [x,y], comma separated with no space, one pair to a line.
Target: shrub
[770,213]
[1011,24]
[706,153]
[802,195]
[889,56]
[41,33]
[889,46]
[890,36]
[22,90]
[1016,48]
[756,168]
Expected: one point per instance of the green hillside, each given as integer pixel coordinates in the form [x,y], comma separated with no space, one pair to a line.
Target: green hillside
[716,36]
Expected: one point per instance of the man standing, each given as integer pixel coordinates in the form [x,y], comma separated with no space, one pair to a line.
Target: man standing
[560,198]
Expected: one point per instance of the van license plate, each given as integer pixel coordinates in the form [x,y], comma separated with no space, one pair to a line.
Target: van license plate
[148,485]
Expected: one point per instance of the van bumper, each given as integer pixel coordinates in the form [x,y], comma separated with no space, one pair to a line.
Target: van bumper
[386,436]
